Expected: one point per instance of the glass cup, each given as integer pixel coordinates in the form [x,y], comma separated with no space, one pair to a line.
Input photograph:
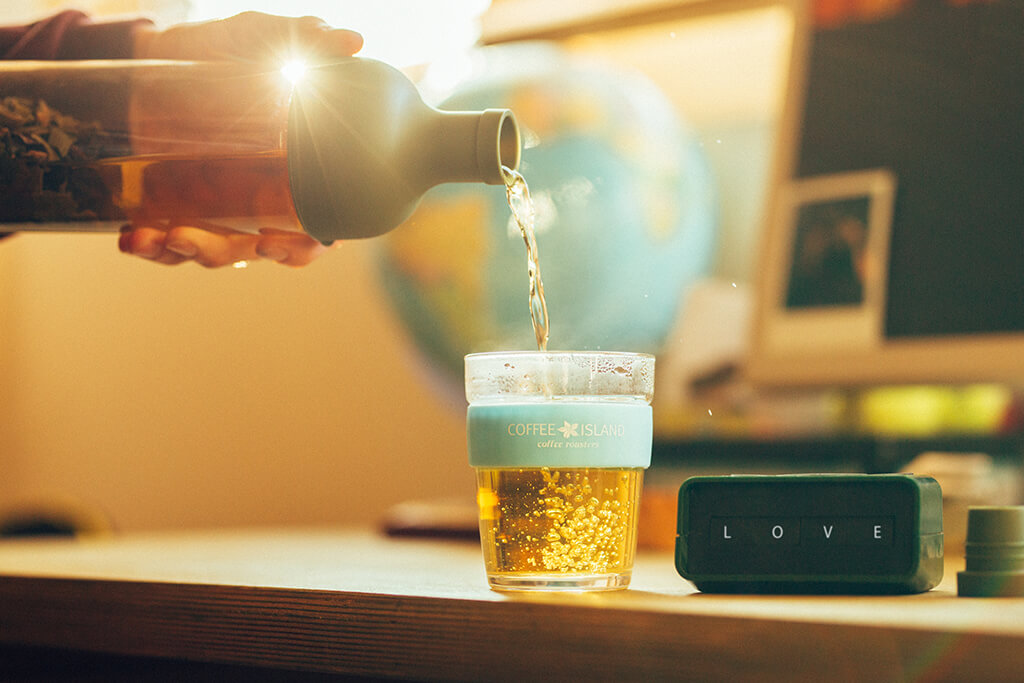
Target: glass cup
[559,441]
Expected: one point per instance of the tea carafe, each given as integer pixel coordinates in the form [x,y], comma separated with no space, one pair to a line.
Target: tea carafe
[343,151]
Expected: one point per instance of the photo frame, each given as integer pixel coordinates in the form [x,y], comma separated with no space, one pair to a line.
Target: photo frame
[827,259]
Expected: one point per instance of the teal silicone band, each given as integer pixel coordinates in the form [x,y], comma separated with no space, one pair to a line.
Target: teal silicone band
[577,434]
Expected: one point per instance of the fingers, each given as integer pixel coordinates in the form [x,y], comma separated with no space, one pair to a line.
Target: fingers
[178,245]
[211,249]
[215,250]
[148,243]
[250,36]
[288,248]
[341,42]
[309,35]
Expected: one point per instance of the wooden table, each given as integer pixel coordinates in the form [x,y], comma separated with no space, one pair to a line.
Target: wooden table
[357,603]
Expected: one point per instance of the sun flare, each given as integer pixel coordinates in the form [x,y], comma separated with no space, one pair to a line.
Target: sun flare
[294,70]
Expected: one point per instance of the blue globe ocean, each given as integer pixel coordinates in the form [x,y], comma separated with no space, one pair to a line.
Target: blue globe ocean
[625,218]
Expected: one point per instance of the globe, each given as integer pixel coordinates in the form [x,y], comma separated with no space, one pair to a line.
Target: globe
[625,217]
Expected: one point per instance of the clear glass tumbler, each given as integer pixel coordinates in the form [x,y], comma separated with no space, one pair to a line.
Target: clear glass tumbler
[559,441]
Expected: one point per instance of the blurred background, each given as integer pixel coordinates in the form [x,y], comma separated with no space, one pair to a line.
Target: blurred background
[138,397]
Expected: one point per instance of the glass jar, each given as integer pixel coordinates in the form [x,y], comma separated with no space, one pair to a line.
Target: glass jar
[344,150]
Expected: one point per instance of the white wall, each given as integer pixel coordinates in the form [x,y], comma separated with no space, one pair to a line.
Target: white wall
[170,397]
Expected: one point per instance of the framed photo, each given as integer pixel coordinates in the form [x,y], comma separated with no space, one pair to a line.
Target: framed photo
[826,260]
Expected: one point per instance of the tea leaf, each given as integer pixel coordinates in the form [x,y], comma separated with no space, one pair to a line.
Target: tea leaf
[60,141]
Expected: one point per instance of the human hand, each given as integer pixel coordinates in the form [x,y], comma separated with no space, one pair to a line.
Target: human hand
[212,248]
[248,38]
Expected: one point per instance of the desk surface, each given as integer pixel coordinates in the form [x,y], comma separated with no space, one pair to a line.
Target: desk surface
[357,603]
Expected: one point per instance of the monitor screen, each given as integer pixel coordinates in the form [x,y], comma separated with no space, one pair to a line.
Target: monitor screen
[894,247]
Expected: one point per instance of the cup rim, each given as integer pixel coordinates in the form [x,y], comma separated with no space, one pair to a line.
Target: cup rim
[553,354]
[547,375]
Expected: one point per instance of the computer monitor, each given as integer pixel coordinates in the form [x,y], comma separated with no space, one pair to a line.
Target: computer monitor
[893,250]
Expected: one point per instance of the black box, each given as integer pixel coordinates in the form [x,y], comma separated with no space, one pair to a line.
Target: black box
[811,533]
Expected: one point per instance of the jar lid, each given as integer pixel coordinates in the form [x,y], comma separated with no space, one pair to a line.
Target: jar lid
[341,150]
[363,147]
[994,552]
